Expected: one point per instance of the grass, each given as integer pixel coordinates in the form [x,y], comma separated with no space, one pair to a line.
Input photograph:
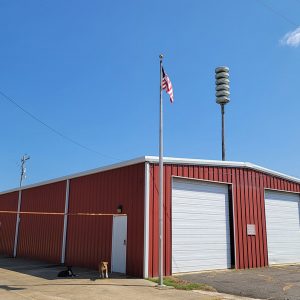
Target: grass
[180,284]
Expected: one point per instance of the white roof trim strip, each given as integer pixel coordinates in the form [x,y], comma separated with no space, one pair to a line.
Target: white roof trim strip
[167,160]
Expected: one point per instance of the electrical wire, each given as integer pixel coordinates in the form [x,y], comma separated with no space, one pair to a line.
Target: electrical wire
[62,135]
[278,13]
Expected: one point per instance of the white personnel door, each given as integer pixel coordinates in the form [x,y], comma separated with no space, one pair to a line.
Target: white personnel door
[200,226]
[119,242]
[283,227]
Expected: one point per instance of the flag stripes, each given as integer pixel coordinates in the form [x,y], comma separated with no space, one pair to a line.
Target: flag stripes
[166,85]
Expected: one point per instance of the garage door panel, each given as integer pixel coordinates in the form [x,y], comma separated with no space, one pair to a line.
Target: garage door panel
[283,227]
[204,209]
[194,198]
[182,221]
[184,242]
[278,230]
[203,206]
[285,246]
[193,266]
[203,258]
[187,250]
[200,226]
[283,209]
[205,231]
[187,240]
[195,201]
[189,185]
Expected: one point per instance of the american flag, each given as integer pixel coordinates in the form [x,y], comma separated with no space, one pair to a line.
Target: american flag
[166,85]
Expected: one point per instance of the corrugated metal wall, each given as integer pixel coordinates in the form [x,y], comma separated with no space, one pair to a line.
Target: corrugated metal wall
[248,201]
[8,202]
[40,235]
[89,237]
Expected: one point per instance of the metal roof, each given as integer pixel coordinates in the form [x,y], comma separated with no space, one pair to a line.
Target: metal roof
[167,160]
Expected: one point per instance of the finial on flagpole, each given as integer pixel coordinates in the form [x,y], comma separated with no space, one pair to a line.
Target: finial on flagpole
[161,56]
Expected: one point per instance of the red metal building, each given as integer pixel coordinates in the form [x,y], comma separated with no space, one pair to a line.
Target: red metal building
[216,215]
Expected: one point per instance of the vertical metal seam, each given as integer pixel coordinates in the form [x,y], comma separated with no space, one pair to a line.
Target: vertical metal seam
[112,238]
[64,239]
[146,221]
[17,224]
[234,221]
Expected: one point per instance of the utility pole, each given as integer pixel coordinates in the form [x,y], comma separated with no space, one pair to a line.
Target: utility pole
[22,177]
[222,98]
[23,168]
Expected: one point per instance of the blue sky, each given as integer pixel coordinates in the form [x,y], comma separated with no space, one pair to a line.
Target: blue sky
[90,70]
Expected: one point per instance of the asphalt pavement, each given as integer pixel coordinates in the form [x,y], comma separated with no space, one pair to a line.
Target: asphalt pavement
[273,283]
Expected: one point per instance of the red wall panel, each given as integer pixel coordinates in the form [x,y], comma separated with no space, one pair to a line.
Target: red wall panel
[89,237]
[45,198]
[248,202]
[89,240]
[8,202]
[40,235]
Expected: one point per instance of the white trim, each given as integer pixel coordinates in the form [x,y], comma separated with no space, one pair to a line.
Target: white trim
[17,224]
[80,174]
[167,160]
[199,179]
[283,191]
[146,220]
[218,163]
[64,240]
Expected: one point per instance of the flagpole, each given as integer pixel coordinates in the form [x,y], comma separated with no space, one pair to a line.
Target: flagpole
[161,180]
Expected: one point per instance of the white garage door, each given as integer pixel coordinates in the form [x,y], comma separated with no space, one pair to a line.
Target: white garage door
[283,231]
[200,226]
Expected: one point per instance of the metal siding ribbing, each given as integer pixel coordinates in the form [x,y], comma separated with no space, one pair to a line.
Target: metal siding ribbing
[40,235]
[249,208]
[88,240]
[8,202]
[89,237]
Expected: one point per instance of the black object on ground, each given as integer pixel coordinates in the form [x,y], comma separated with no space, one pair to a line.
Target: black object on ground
[66,273]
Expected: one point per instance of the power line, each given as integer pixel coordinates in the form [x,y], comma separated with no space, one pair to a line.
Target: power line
[278,13]
[62,135]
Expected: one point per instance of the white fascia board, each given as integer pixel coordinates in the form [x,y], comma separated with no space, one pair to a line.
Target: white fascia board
[167,160]
[191,161]
[80,174]
[220,163]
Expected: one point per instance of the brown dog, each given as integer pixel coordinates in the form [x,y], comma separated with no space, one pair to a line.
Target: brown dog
[103,269]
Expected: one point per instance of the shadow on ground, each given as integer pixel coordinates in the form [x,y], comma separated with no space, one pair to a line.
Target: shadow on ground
[49,271]
[10,288]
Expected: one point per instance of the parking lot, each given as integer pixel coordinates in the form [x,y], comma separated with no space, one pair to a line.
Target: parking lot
[277,282]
